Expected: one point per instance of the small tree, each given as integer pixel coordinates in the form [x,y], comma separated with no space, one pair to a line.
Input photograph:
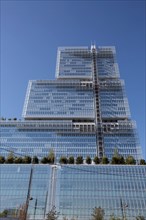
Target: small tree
[2,159]
[63,160]
[98,213]
[105,160]
[142,162]
[88,160]
[130,160]
[96,160]
[71,160]
[79,160]
[118,160]
[18,160]
[52,214]
[27,160]
[10,158]
[44,160]
[35,160]
[122,160]
[4,213]
[51,157]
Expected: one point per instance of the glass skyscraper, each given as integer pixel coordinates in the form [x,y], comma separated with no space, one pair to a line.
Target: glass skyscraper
[84,111]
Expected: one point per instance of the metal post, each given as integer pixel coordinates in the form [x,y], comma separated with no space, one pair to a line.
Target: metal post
[45,204]
[122,208]
[28,194]
[35,207]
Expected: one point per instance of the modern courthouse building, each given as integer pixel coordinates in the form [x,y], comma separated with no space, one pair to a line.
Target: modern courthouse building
[84,111]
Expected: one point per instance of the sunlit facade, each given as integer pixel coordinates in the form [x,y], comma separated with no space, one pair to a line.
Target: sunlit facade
[74,190]
[83,112]
[39,137]
[65,99]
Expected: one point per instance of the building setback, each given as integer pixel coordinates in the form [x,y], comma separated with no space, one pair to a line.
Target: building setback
[84,111]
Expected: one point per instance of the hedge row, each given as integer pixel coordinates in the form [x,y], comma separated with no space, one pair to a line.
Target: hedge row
[50,159]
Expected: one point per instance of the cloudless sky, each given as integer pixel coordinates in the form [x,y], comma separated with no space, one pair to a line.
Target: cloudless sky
[31,32]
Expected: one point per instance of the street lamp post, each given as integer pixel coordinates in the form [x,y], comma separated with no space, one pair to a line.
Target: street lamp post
[28,194]
[35,207]
[123,207]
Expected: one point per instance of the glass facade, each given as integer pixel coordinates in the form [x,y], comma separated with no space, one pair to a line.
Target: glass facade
[74,62]
[19,181]
[106,63]
[74,190]
[74,96]
[39,137]
[83,112]
[116,189]
[88,91]
[114,103]
[59,99]
[121,135]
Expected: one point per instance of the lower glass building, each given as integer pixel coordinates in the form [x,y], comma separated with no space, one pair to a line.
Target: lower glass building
[74,190]
[39,137]
[67,138]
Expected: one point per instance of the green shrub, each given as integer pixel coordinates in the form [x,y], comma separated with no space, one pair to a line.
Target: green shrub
[142,162]
[79,160]
[71,160]
[96,160]
[44,160]
[51,157]
[105,160]
[18,160]
[10,158]
[118,160]
[2,159]
[35,160]
[88,160]
[63,160]
[26,160]
[130,160]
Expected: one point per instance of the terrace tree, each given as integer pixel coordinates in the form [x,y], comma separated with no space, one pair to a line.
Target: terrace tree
[51,157]
[71,160]
[142,162]
[10,158]
[63,160]
[79,160]
[88,160]
[96,160]
[130,160]
[2,159]
[105,160]
[35,160]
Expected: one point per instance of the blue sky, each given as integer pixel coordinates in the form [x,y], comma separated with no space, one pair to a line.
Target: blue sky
[31,31]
